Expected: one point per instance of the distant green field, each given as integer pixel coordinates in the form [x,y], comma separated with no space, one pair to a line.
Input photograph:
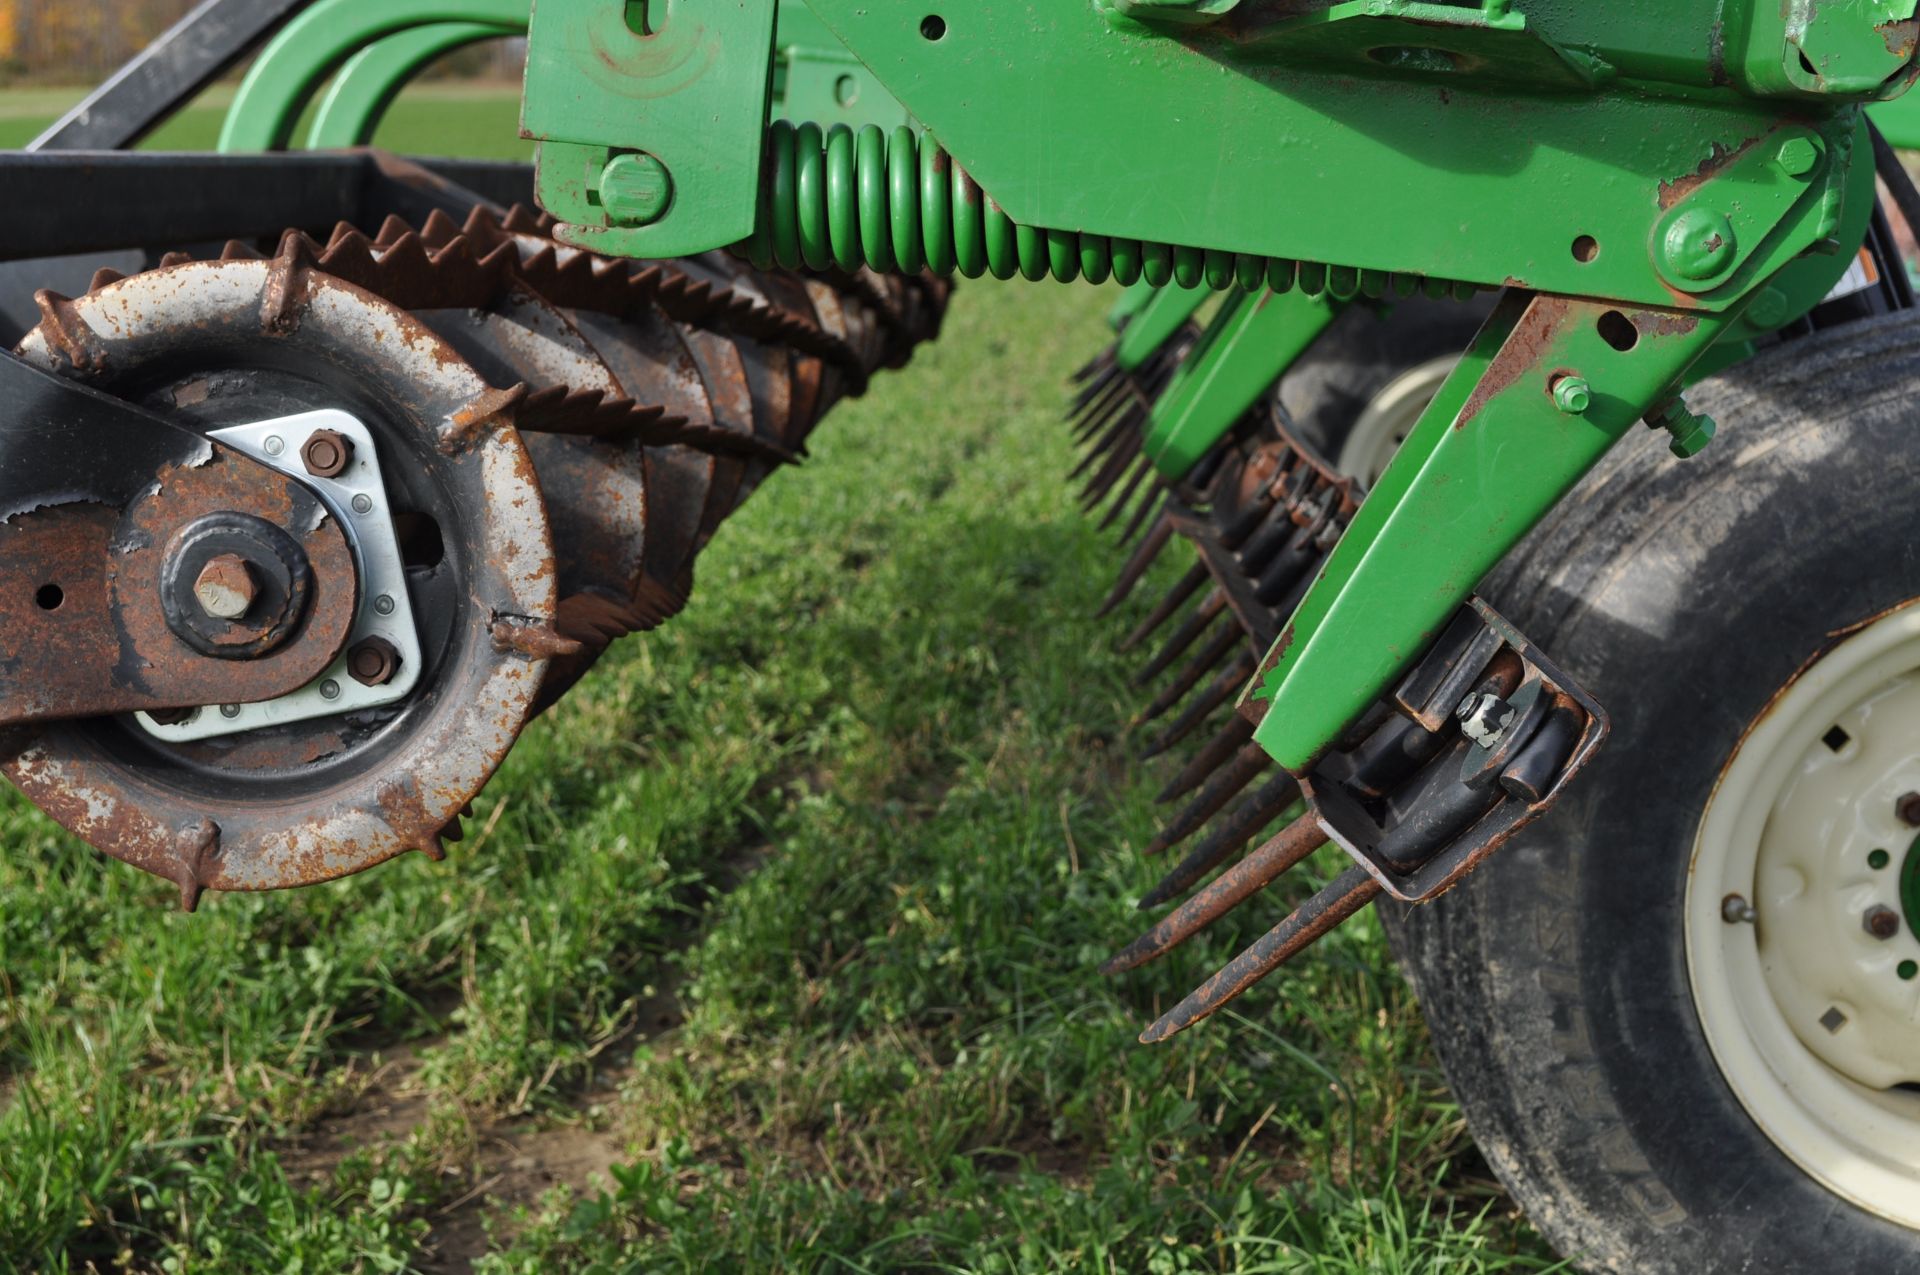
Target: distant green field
[772,949]
[481,121]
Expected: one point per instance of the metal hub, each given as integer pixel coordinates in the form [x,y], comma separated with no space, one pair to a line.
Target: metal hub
[1800,929]
[382,662]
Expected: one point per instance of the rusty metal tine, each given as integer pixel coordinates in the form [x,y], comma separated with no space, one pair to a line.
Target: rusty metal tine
[1183,637]
[1212,797]
[1349,892]
[1143,511]
[1236,732]
[1230,836]
[1109,431]
[1233,887]
[1183,588]
[1143,557]
[1122,456]
[1100,412]
[1218,692]
[1098,363]
[1141,469]
[1193,670]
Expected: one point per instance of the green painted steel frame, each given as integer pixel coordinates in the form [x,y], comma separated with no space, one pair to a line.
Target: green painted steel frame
[1253,339]
[285,76]
[372,78]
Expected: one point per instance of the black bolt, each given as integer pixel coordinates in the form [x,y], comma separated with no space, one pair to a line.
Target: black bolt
[1881,921]
[373,662]
[170,716]
[326,453]
[1907,806]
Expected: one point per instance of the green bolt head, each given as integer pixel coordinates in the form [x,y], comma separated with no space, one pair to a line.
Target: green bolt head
[1572,394]
[1797,156]
[1691,434]
[635,190]
[1768,310]
[1697,244]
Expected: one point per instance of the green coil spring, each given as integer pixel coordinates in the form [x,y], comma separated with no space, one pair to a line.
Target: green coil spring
[834,198]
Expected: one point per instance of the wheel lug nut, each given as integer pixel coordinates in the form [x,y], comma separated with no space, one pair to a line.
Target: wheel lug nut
[326,453]
[373,662]
[1881,921]
[1907,806]
[225,588]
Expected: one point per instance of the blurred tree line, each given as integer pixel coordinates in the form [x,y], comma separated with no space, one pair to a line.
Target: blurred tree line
[79,41]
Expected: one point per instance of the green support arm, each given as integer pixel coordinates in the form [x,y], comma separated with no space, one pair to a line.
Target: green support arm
[1252,341]
[285,76]
[1550,384]
[366,86]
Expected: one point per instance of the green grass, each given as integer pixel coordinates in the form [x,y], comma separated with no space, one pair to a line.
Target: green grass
[787,919]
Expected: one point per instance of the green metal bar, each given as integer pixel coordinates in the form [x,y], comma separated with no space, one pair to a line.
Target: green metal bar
[1899,120]
[291,69]
[1492,454]
[1132,300]
[1251,342]
[366,86]
[1164,314]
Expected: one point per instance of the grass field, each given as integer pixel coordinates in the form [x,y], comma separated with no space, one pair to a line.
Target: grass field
[772,949]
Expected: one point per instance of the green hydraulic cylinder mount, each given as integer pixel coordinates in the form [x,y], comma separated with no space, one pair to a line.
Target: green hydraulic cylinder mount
[1644,180]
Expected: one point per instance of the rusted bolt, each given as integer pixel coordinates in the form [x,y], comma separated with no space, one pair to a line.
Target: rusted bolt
[172,716]
[1881,921]
[225,587]
[326,453]
[1907,806]
[373,662]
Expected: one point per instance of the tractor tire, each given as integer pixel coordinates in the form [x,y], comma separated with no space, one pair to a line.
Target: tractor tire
[1358,389]
[1609,995]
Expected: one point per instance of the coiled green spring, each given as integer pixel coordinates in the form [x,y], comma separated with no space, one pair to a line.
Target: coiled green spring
[897,201]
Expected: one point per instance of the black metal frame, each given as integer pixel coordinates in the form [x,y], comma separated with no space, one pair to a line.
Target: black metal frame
[166,74]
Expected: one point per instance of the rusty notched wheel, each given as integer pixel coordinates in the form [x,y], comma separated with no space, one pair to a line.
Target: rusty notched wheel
[232,342]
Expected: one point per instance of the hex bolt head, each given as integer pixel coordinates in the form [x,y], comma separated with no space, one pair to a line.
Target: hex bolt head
[1572,394]
[1907,807]
[1484,719]
[1797,157]
[1698,244]
[635,190]
[373,662]
[1881,921]
[326,453]
[226,588]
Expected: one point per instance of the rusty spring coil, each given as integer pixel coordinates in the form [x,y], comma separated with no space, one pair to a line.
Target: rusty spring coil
[833,198]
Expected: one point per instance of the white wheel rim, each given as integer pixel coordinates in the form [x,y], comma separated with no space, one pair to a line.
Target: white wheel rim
[1389,417]
[1791,827]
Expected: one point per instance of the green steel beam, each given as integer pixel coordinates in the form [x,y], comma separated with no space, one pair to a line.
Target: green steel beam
[1488,458]
[366,86]
[1106,127]
[1251,342]
[1132,301]
[1164,313]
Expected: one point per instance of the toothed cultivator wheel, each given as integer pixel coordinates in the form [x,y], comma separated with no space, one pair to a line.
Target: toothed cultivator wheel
[527,445]
[234,343]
